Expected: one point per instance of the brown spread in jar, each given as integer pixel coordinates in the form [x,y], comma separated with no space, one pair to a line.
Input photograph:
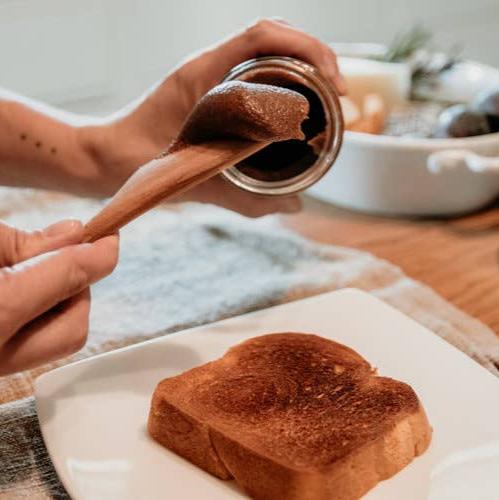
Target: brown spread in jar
[288,158]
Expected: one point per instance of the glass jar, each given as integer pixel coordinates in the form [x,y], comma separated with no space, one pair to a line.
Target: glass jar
[288,167]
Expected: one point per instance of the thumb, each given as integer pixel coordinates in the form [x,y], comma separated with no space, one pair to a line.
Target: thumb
[17,246]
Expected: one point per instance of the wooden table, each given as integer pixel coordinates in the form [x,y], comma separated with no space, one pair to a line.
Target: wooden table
[458,258]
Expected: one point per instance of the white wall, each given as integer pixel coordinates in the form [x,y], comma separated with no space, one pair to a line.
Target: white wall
[94,55]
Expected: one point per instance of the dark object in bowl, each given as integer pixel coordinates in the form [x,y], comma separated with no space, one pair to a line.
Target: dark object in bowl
[487,102]
[459,121]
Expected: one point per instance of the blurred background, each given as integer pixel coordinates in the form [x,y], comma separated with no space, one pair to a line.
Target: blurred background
[93,56]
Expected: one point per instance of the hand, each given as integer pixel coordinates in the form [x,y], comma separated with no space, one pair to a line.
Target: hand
[175,97]
[44,292]
[147,130]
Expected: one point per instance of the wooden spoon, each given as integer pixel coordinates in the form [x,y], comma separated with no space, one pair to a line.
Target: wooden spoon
[231,122]
[163,177]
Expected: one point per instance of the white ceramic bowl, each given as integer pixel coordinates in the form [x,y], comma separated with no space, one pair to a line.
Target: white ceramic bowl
[410,176]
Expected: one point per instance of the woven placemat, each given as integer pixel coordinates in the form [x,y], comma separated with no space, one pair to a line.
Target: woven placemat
[186,265]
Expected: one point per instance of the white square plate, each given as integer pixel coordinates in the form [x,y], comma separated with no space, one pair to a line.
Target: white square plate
[93,413]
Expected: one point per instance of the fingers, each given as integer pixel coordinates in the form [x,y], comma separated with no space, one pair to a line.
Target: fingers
[56,334]
[16,245]
[220,192]
[278,19]
[260,206]
[31,288]
[274,37]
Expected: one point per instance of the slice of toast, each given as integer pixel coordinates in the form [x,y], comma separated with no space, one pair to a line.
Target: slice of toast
[291,416]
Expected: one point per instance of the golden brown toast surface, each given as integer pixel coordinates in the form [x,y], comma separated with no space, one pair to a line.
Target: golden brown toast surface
[291,403]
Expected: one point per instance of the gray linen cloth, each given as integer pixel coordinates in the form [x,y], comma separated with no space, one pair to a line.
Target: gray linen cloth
[186,265]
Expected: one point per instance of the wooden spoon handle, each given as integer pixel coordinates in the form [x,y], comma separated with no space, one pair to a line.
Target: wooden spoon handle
[164,177]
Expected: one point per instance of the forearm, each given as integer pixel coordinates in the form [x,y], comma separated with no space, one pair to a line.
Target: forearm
[39,150]
[46,148]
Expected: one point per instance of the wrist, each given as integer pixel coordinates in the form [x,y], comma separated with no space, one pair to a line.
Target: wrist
[134,135]
[114,152]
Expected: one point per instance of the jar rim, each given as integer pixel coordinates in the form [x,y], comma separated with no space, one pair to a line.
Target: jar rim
[314,80]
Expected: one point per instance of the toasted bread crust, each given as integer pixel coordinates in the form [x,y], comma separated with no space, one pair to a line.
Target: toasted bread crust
[291,416]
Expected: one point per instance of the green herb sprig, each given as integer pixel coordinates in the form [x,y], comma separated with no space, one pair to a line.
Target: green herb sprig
[407,43]
[415,47]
